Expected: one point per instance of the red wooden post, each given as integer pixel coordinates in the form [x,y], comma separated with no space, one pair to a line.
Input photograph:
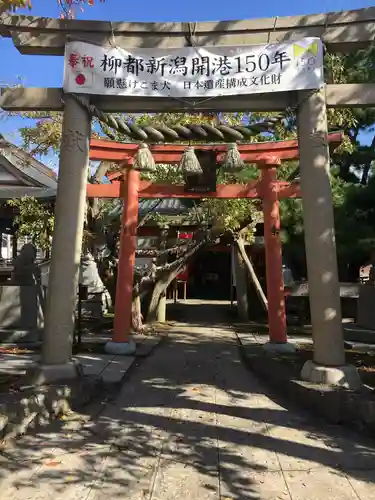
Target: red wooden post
[274,262]
[128,245]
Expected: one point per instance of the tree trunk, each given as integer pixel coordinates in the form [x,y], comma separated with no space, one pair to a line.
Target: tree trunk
[365,174]
[159,289]
[166,277]
[163,259]
[241,285]
[137,314]
[162,308]
[254,278]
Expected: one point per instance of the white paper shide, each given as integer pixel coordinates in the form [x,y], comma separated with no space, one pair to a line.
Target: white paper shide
[193,71]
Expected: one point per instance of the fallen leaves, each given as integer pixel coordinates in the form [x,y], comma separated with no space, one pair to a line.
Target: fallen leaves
[368,369]
[14,350]
[52,463]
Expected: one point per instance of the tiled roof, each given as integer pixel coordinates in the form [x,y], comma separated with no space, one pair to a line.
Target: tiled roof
[10,192]
[169,206]
[31,171]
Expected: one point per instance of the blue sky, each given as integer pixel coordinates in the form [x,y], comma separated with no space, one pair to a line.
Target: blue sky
[42,71]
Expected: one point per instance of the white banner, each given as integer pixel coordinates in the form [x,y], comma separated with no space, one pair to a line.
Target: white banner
[193,71]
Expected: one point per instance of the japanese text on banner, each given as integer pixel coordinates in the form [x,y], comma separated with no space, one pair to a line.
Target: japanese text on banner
[194,71]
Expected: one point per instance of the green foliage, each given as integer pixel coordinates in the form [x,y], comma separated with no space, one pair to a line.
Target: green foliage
[356,67]
[45,135]
[354,211]
[352,165]
[34,220]
[167,174]
[355,220]
[229,214]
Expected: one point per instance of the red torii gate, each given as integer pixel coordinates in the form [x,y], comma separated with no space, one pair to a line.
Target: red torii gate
[128,186]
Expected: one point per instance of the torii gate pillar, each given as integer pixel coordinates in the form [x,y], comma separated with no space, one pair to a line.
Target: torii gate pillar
[274,262]
[70,210]
[120,343]
[328,365]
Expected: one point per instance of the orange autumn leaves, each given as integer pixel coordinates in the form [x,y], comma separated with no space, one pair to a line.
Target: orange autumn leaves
[67,7]
[13,5]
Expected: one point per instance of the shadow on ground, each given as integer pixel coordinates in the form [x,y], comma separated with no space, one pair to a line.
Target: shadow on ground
[191,422]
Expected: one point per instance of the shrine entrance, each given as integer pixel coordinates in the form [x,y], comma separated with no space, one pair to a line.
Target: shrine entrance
[268,65]
[126,184]
[210,274]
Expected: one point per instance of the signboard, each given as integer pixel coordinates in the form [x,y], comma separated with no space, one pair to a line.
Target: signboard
[193,71]
[184,236]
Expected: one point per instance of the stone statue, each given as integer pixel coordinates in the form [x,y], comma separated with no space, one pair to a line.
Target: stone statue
[89,277]
[26,271]
[22,301]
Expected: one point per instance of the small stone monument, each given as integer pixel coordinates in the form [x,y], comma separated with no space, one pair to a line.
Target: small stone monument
[21,300]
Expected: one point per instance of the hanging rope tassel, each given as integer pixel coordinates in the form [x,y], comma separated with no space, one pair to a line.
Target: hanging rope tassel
[232,161]
[189,163]
[143,159]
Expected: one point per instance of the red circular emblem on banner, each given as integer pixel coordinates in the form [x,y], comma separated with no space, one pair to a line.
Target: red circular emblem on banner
[80,79]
